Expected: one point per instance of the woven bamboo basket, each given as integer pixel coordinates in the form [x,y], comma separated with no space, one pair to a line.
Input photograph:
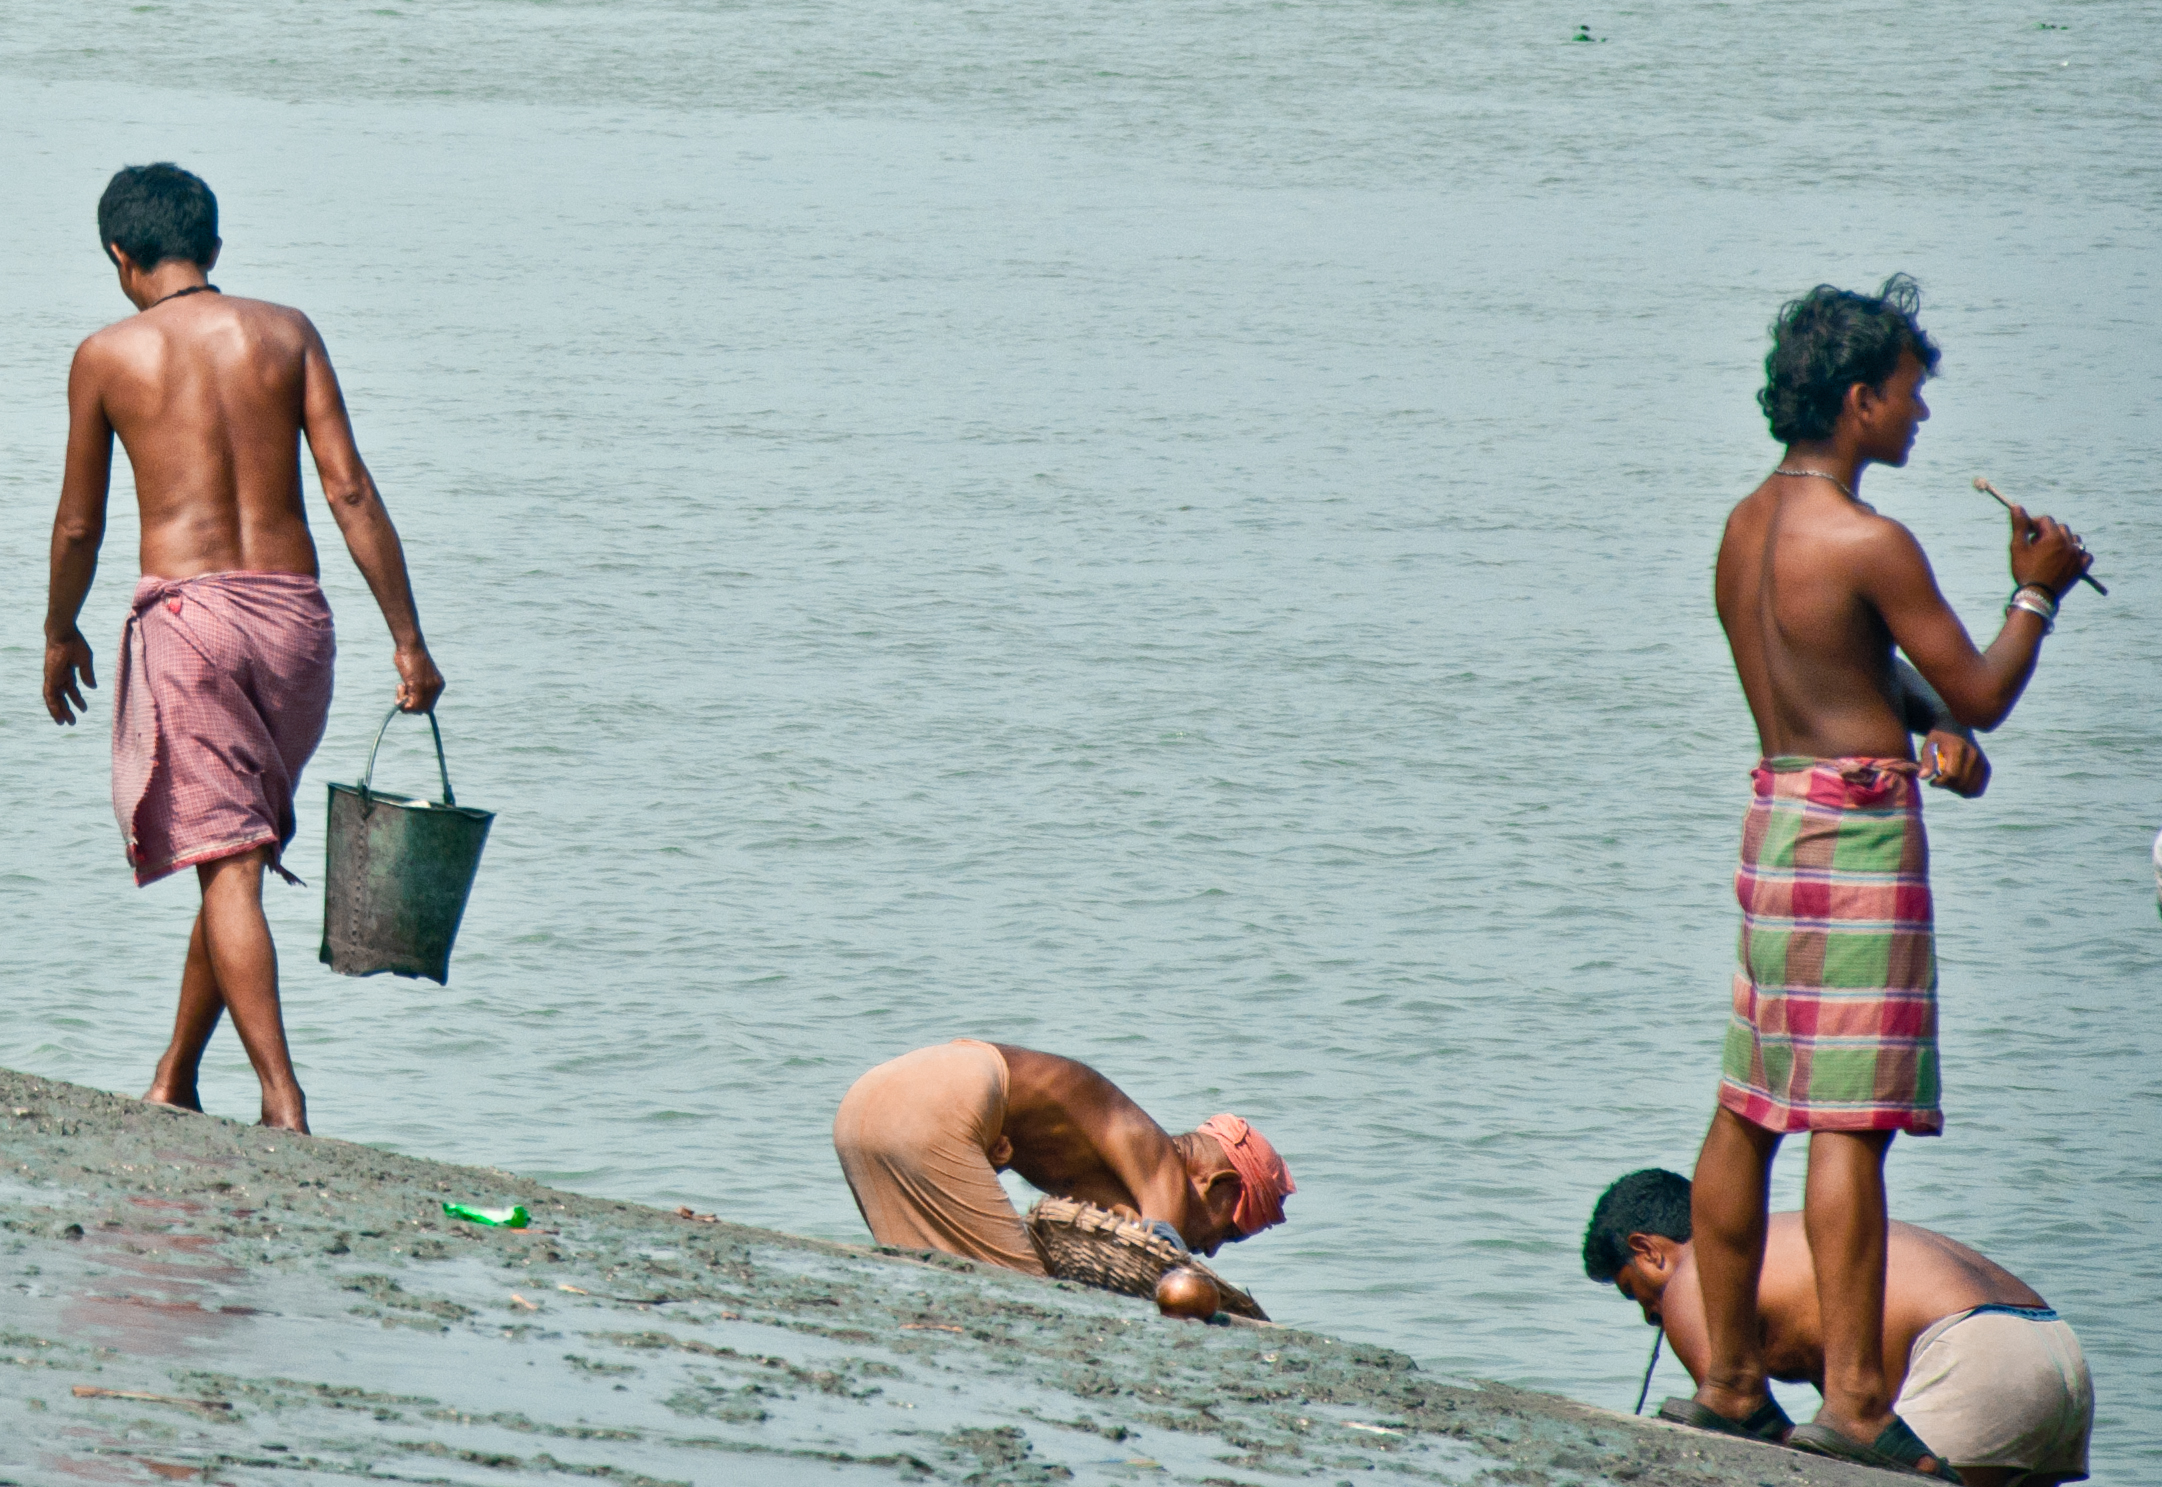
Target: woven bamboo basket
[1092,1245]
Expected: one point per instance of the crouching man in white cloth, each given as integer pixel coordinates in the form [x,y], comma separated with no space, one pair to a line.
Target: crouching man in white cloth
[1984,1370]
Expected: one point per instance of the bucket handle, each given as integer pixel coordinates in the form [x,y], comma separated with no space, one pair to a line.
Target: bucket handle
[369,778]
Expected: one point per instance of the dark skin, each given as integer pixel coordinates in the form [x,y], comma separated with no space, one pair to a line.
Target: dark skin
[211,395]
[1927,1277]
[1815,591]
[1073,1133]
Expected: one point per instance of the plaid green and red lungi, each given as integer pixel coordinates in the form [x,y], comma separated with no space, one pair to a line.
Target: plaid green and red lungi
[1835,1000]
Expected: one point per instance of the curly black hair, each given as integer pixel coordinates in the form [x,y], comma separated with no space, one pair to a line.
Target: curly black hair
[1830,339]
[1653,1201]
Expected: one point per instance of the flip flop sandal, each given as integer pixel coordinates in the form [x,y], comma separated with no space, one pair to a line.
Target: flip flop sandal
[1769,1423]
[1899,1449]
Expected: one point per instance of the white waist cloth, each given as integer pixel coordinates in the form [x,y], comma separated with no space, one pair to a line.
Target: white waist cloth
[2002,1386]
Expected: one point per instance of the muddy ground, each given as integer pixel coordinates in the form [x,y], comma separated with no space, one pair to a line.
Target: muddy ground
[193,1299]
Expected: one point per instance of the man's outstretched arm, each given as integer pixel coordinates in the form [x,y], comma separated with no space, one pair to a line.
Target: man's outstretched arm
[78,532]
[357,507]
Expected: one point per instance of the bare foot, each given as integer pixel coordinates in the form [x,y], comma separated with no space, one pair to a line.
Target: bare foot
[174,1097]
[285,1112]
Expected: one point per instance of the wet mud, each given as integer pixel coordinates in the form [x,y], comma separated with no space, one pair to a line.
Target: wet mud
[190,1299]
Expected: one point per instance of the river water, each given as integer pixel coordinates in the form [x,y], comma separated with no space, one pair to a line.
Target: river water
[1179,536]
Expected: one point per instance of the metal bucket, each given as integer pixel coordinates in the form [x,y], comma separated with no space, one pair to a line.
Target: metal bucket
[399,872]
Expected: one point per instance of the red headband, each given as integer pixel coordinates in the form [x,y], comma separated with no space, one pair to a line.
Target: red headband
[1264,1180]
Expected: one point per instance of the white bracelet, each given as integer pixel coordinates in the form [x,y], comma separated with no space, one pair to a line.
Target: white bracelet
[2041,595]
[2035,604]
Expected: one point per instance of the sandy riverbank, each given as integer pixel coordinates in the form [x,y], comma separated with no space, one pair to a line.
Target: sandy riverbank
[193,1299]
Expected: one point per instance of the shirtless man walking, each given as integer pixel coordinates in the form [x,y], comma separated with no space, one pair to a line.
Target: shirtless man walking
[225,662]
[1834,1028]
[923,1137]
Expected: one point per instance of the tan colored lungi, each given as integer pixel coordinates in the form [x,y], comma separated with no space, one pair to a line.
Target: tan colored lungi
[914,1137]
[2002,1386]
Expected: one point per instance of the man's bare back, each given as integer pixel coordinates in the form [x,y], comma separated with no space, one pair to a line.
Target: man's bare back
[1928,1277]
[211,396]
[1073,1132]
[1814,658]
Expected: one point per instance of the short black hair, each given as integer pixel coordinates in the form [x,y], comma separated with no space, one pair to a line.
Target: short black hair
[156,212]
[1830,339]
[1654,1201]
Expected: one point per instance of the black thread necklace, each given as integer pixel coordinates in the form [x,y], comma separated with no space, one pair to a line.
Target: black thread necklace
[183,294]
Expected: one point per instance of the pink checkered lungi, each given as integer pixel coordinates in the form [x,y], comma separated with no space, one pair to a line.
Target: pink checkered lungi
[224,689]
[1834,1026]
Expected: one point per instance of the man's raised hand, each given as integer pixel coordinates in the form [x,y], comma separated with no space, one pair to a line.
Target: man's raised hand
[63,659]
[2045,552]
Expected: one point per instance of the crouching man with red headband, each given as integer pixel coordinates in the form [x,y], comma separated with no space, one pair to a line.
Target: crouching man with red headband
[923,1138]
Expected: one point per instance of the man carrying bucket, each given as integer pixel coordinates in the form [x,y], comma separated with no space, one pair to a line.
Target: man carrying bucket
[225,661]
